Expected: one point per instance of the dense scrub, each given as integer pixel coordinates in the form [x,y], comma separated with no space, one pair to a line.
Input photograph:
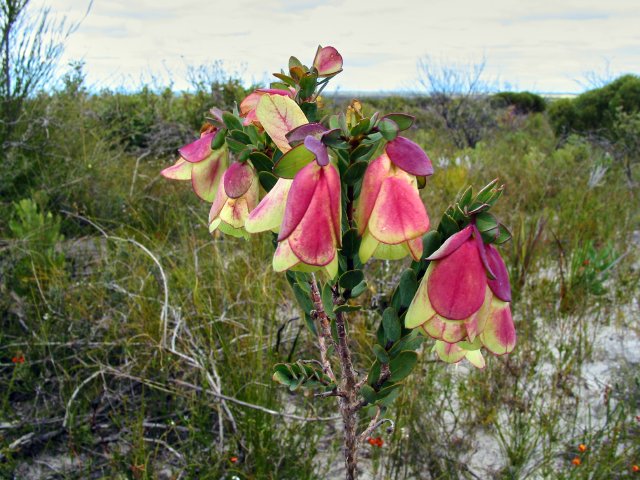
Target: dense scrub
[129,337]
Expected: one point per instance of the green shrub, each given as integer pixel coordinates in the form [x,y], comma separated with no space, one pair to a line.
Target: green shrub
[523,102]
[596,110]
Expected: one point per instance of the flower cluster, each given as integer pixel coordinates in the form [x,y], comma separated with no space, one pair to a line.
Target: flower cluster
[354,180]
[463,300]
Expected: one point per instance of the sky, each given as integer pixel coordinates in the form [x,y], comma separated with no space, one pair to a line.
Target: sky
[548,46]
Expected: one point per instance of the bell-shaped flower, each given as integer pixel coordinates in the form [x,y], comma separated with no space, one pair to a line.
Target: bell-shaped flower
[237,196]
[250,103]
[269,213]
[328,62]
[201,164]
[310,233]
[463,300]
[390,215]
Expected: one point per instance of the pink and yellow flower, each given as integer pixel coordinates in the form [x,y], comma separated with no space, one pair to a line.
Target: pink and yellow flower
[200,164]
[250,103]
[390,215]
[310,232]
[237,196]
[463,300]
[328,62]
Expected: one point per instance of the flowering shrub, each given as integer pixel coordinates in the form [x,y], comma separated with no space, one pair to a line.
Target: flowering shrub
[338,191]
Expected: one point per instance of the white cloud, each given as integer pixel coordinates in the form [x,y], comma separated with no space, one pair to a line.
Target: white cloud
[542,45]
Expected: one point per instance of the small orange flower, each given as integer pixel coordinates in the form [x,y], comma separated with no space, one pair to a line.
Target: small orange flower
[233,459]
[635,468]
[18,359]
[576,461]
[582,448]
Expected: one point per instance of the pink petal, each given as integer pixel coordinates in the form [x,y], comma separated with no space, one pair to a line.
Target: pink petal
[398,214]
[499,334]
[181,170]
[332,177]
[199,150]
[500,286]
[409,157]
[278,115]
[206,175]
[476,322]
[458,283]
[482,251]
[327,61]
[375,174]
[300,195]
[420,310]
[448,331]
[449,352]
[314,241]
[452,244]
[284,258]
[218,204]
[415,248]
[269,213]
[250,102]
[238,178]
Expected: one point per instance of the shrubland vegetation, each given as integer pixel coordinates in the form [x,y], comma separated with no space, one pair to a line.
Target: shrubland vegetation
[135,345]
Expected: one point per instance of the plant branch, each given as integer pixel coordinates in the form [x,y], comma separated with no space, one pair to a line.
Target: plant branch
[325,328]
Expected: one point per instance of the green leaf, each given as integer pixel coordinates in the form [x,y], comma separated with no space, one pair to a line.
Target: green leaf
[286,79]
[308,84]
[327,300]
[310,110]
[235,146]
[487,192]
[267,180]
[402,120]
[347,308]
[219,139]
[408,286]
[372,138]
[334,122]
[387,395]
[350,242]
[294,62]
[368,393]
[355,172]
[293,161]
[333,138]
[360,151]
[388,128]
[231,121]
[402,365]
[504,235]
[448,226]
[303,298]
[240,136]
[430,243]
[412,341]
[358,289]
[360,128]
[465,198]
[486,222]
[391,324]
[342,122]
[374,373]
[261,162]
[381,354]
[349,280]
